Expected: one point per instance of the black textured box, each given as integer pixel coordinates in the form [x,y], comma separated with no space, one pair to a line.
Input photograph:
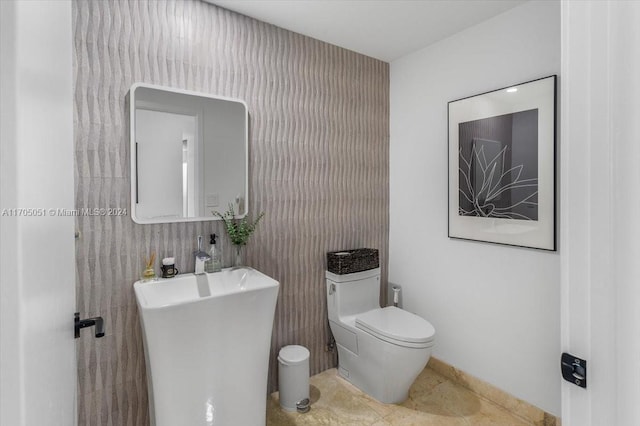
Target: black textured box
[350,261]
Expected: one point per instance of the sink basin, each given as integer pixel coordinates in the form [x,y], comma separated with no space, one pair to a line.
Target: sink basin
[206,342]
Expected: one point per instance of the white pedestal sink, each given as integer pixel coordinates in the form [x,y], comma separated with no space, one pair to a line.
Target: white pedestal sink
[206,341]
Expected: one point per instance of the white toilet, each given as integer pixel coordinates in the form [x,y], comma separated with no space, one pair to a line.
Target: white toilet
[380,350]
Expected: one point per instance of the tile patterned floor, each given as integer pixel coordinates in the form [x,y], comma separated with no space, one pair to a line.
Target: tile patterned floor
[433,400]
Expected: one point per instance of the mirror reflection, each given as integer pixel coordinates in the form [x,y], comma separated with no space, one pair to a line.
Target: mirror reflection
[188,155]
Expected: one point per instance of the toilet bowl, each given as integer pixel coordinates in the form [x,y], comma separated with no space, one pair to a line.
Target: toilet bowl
[380,350]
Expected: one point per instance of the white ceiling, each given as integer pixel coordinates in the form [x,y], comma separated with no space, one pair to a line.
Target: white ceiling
[383,29]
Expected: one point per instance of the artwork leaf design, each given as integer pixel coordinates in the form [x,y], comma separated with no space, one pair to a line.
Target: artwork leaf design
[492,187]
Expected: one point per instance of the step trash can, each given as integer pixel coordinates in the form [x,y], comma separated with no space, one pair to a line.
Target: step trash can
[293,378]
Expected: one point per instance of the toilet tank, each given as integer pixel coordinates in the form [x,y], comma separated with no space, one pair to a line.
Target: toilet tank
[350,294]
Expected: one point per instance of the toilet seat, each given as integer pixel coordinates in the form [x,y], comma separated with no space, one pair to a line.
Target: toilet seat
[397,326]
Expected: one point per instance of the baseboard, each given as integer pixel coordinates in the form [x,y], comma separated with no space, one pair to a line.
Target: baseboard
[520,408]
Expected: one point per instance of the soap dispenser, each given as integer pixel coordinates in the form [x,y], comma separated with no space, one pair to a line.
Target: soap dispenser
[215,264]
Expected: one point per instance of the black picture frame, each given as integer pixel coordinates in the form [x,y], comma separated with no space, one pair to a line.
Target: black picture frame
[502,165]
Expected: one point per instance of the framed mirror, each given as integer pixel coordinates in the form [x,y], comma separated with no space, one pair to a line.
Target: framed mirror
[189,155]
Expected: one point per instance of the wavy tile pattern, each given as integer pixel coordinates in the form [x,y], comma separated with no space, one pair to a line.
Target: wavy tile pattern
[319,150]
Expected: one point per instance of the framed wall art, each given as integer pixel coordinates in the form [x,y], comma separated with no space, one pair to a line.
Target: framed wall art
[502,166]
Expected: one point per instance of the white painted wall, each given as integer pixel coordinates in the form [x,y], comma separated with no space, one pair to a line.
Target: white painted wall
[496,309]
[224,155]
[37,264]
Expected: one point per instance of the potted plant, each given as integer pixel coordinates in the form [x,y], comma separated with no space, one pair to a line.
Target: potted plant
[239,230]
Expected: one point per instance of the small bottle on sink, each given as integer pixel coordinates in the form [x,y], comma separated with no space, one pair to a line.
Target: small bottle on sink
[215,264]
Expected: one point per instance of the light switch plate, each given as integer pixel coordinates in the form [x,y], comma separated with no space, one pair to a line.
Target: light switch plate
[212,200]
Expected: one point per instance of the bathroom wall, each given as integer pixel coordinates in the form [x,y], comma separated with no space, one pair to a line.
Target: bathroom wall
[496,309]
[319,135]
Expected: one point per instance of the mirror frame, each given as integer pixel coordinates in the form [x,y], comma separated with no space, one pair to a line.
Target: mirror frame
[133,156]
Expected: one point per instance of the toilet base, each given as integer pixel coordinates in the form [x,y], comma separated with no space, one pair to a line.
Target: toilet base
[382,370]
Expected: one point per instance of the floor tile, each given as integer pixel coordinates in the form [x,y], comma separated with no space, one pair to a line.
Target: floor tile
[433,400]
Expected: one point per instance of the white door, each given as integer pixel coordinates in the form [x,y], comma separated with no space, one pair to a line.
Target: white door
[162,163]
[600,209]
[37,266]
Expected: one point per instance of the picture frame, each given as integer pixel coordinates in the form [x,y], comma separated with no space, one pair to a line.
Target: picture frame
[502,165]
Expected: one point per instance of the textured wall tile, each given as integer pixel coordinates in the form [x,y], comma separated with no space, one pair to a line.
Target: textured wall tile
[319,150]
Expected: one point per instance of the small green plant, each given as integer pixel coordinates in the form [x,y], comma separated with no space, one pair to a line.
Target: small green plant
[239,230]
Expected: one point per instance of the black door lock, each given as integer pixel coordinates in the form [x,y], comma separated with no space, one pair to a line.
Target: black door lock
[574,370]
[78,324]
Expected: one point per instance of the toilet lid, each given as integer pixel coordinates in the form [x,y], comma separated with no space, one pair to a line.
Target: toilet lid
[393,324]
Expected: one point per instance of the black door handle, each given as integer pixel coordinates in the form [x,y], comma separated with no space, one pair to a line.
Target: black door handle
[574,369]
[78,324]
